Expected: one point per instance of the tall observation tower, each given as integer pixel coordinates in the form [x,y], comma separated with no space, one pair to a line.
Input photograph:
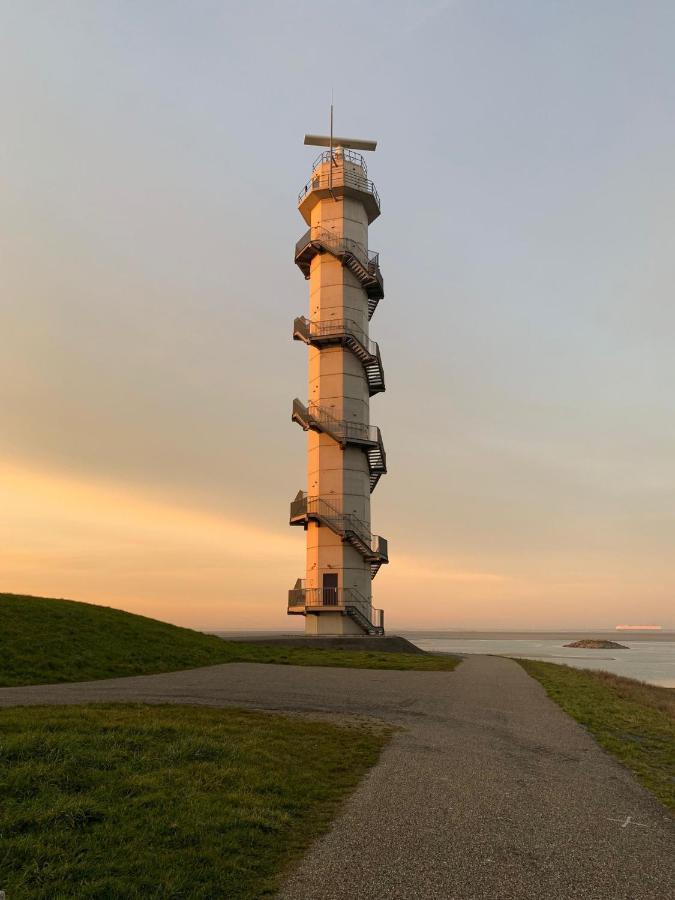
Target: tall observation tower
[345,453]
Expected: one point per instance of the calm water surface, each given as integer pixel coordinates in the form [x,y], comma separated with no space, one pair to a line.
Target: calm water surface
[649,661]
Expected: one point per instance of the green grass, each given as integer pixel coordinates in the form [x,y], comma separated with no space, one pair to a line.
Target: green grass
[632,720]
[45,641]
[135,801]
[354,659]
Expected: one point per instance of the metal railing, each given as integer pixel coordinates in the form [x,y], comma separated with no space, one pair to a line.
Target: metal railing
[351,156]
[351,431]
[341,177]
[334,598]
[374,616]
[377,617]
[380,546]
[347,332]
[380,445]
[304,505]
[341,429]
[296,596]
[340,522]
[328,328]
[369,259]
[320,597]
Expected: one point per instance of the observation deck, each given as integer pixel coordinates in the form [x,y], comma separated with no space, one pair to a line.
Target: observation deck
[304,601]
[344,174]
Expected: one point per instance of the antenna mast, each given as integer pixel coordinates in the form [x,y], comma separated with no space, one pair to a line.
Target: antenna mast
[330,168]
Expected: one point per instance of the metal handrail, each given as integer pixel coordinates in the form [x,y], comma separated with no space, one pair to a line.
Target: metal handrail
[335,327]
[350,155]
[304,504]
[347,599]
[296,597]
[376,615]
[343,522]
[369,259]
[368,437]
[320,597]
[380,445]
[379,545]
[341,178]
[349,430]
[336,598]
[347,332]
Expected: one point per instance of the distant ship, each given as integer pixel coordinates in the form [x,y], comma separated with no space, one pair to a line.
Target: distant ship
[638,627]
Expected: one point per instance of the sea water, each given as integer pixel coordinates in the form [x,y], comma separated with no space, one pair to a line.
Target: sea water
[650,661]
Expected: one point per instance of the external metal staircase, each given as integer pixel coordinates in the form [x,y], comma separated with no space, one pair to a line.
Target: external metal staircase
[363,264]
[347,333]
[349,601]
[368,625]
[368,437]
[346,281]
[347,526]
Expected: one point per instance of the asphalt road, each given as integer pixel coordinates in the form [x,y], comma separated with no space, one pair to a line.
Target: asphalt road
[488,791]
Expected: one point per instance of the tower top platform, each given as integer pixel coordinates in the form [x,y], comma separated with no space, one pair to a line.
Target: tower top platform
[335,175]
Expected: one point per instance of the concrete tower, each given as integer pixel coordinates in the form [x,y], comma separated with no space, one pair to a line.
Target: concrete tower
[345,454]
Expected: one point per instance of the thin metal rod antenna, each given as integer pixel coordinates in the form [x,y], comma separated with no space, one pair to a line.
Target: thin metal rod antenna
[330,167]
[331,125]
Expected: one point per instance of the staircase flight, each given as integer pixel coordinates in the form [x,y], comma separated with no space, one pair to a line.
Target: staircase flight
[362,263]
[346,525]
[347,333]
[369,438]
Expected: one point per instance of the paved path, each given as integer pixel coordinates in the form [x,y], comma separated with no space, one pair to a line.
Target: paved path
[489,791]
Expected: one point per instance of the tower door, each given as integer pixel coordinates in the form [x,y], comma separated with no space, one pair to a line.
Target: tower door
[330,589]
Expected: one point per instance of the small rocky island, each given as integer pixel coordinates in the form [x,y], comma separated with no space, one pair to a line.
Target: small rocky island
[589,644]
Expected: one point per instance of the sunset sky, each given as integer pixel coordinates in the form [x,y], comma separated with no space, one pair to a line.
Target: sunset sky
[150,159]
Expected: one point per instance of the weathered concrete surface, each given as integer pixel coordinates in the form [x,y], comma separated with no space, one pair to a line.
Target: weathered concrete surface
[489,791]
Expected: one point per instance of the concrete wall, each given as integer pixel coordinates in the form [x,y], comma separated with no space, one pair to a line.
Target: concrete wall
[331,623]
[337,382]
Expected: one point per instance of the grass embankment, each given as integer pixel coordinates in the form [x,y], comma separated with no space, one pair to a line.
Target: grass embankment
[45,641]
[632,720]
[165,802]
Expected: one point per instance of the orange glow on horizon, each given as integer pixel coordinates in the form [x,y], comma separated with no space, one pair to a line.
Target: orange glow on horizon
[100,542]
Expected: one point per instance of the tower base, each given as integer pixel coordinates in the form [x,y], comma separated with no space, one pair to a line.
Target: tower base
[331,623]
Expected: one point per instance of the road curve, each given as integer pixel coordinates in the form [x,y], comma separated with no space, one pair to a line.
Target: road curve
[487,792]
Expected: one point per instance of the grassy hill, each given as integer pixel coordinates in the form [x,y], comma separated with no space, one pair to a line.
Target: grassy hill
[45,641]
